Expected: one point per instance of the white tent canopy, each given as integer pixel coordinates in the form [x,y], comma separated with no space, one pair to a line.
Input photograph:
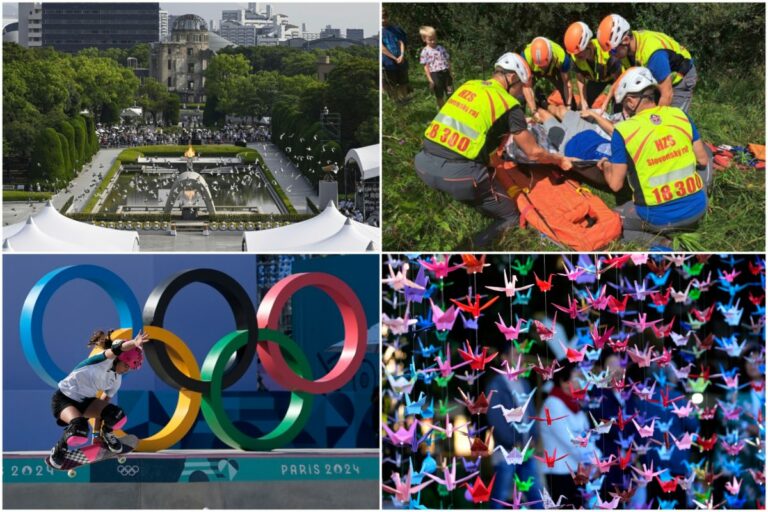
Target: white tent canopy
[330,231]
[50,231]
[368,160]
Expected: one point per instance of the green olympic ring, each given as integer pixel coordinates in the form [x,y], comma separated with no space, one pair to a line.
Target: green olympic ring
[299,408]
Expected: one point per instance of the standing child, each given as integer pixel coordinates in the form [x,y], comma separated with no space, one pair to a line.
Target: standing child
[437,65]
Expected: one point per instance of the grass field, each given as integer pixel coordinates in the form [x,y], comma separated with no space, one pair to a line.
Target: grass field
[729,112]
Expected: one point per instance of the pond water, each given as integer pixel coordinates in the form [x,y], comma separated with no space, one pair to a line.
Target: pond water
[240,188]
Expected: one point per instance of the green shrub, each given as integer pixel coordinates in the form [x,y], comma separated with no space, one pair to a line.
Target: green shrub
[23,195]
[47,158]
[67,204]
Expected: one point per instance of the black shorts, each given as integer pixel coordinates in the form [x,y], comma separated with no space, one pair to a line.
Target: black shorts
[60,401]
[443,83]
[397,76]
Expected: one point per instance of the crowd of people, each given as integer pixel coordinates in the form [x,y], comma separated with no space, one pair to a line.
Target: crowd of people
[143,135]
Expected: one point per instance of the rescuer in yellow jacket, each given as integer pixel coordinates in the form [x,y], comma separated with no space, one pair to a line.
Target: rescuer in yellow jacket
[659,152]
[469,127]
[670,63]
[595,68]
[549,61]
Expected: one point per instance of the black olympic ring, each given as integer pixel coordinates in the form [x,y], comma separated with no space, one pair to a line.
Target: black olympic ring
[245,320]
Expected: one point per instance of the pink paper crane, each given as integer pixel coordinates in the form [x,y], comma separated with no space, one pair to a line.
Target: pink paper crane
[517,500]
[449,477]
[441,268]
[681,296]
[398,325]
[734,486]
[511,333]
[646,431]
[403,436]
[728,277]
[449,427]
[684,443]
[510,288]
[444,367]
[572,309]
[682,412]
[403,488]
[642,359]
[641,323]
[680,340]
[608,505]
[598,302]
[511,372]
[476,406]
[604,466]
[598,339]
[444,320]
[399,281]
[582,441]
[646,475]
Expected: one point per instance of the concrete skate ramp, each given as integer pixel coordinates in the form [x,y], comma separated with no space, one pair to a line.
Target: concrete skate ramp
[190,479]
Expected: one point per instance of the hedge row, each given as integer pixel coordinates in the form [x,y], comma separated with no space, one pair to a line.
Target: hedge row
[102,186]
[22,195]
[160,217]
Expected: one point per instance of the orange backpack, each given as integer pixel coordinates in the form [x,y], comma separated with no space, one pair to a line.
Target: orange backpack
[563,210]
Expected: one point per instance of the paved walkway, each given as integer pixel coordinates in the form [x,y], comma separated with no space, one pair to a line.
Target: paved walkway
[294,184]
[85,183]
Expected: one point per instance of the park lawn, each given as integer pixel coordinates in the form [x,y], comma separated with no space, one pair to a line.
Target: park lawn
[415,216]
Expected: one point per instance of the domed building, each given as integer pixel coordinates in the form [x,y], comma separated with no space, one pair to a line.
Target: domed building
[180,62]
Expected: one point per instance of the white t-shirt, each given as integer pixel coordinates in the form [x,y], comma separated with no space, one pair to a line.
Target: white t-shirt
[557,436]
[90,376]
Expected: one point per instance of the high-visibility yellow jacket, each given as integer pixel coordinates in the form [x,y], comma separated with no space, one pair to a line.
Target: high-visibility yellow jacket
[649,43]
[463,122]
[600,69]
[558,59]
[662,165]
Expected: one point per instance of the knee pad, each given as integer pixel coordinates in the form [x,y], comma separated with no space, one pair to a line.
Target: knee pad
[76,432]
[113,416]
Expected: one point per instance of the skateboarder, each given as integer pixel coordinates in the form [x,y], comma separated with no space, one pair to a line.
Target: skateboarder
[75,399]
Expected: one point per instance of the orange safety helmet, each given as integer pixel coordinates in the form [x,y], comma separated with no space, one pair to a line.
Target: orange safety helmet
[577,37]
[611,31]
[541,52]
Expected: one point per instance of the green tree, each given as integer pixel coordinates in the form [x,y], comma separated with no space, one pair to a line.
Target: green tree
[81,138]
[152,97]
[65,128]
[353,92]
[222,70]
[47,159]
[171,110]
[68,164]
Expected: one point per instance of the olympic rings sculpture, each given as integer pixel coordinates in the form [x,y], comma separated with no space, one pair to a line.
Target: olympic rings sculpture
[176,365]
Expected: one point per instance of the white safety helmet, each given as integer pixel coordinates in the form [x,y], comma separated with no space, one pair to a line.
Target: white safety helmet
[634,80]
[514,63]
[611,31]
[577,37]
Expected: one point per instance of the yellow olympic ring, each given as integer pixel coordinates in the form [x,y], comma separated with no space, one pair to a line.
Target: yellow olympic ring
[188,405]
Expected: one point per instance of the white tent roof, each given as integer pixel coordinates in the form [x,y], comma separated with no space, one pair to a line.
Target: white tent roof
[50,231]
[368,159]
[330,231]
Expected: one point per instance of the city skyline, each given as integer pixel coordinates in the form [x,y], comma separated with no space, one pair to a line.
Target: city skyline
[316,15]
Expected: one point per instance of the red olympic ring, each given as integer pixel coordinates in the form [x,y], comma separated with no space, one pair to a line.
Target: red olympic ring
[355,332]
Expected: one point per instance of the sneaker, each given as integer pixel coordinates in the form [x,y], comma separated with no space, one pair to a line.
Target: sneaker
[57,457]
[112,441]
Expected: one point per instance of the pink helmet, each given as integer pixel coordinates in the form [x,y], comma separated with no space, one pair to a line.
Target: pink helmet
[133,358]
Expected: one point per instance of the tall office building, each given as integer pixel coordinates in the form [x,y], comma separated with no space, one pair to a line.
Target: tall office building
[355,34]
[30,24]
[164,27]
[71,27]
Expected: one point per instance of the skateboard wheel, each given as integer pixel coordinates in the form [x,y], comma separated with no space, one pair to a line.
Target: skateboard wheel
[71,473]
[121,460]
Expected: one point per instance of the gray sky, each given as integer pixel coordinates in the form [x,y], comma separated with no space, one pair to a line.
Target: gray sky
[315,14]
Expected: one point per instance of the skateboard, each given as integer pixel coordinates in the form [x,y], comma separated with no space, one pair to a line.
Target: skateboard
[94,453]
